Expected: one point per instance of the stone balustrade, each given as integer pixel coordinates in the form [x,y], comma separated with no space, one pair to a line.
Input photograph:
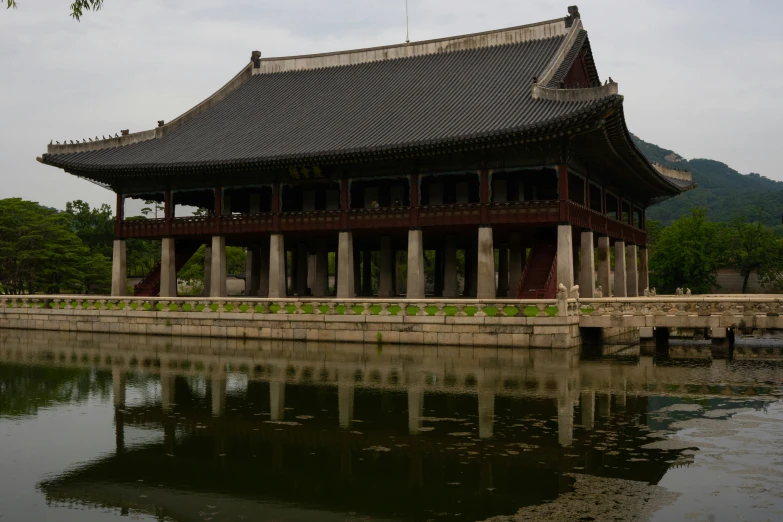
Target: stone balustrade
[708,311]
[434,321]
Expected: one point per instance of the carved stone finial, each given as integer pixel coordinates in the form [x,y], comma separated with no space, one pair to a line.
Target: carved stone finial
[646,292]
[573,14]
[255,57]
[125,132]
[687,291]
[678,291]
[573,293]
[161,123]
[653,293]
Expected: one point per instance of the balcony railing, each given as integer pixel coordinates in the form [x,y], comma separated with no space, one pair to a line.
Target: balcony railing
[458,214]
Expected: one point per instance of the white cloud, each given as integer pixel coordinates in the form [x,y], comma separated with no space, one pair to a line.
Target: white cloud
[699,77]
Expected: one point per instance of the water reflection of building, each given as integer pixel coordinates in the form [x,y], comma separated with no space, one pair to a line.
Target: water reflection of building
[363,439]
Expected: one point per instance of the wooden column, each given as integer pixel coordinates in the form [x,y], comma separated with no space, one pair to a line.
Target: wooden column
[484,195]
[562,175]
[414,196]
[344,204]
[218,208]
[168,212]
[275,205]
[120,215]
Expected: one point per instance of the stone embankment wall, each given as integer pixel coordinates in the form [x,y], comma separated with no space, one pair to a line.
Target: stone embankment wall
[464,323]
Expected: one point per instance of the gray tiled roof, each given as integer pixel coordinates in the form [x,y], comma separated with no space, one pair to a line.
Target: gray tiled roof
[382,105]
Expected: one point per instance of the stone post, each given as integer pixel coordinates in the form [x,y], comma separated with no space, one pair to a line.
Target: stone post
[301,269]
[207,269]
[119,271]
[277,275]
[367,273]
[632,274]
[386,280]
[450,283]
[217,287]
[345,268]
[516,254]
[357,271]
[604,266]
[485,288]
[644,271]
[252,270]
[587,272]
[503,271]
[416,277]
[321,281]
[565,256]
[311,269]
[619,269]
[168,268]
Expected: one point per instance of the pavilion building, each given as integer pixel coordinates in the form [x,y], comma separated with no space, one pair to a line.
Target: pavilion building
[504,141]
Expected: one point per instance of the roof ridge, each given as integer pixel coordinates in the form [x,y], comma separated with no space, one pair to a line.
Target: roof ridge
[509,35]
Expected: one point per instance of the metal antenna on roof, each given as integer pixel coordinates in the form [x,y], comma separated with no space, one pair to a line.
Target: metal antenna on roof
[407,35]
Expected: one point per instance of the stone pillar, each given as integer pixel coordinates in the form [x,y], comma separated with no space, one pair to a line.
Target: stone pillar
[416,277]
[438,271]
[311,269]
[168,268]
[345,403]
[415,408]
[450,283]
[277,275]
[119,270]
[604,266]
[644,271]
[386,280]
[357,271]
[503,271]
[486,413]
[218,392]
[619,269]
[587,407]
[118,379]
[321,281]
[252,270]
[263,269]
[207,269]
[217,287]
[516,262]
[399,281]
[367,273]
[276,400]
[587,271]
[301,269]
[345,268]
[565,256]
[485,284]
[632,274]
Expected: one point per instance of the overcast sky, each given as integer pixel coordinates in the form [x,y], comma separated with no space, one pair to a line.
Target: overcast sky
[702,78]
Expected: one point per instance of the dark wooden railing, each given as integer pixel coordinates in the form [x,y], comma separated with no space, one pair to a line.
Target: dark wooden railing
[459,214]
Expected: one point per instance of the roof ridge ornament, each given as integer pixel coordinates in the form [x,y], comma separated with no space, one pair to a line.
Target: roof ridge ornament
[255,59]
[573,14]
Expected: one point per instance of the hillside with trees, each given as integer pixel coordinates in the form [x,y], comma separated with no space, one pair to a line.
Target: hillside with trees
[725,193]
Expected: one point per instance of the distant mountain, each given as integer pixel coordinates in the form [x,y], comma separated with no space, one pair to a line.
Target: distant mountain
[723,191]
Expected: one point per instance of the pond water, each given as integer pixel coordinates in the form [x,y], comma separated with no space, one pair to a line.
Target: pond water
[95,427]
